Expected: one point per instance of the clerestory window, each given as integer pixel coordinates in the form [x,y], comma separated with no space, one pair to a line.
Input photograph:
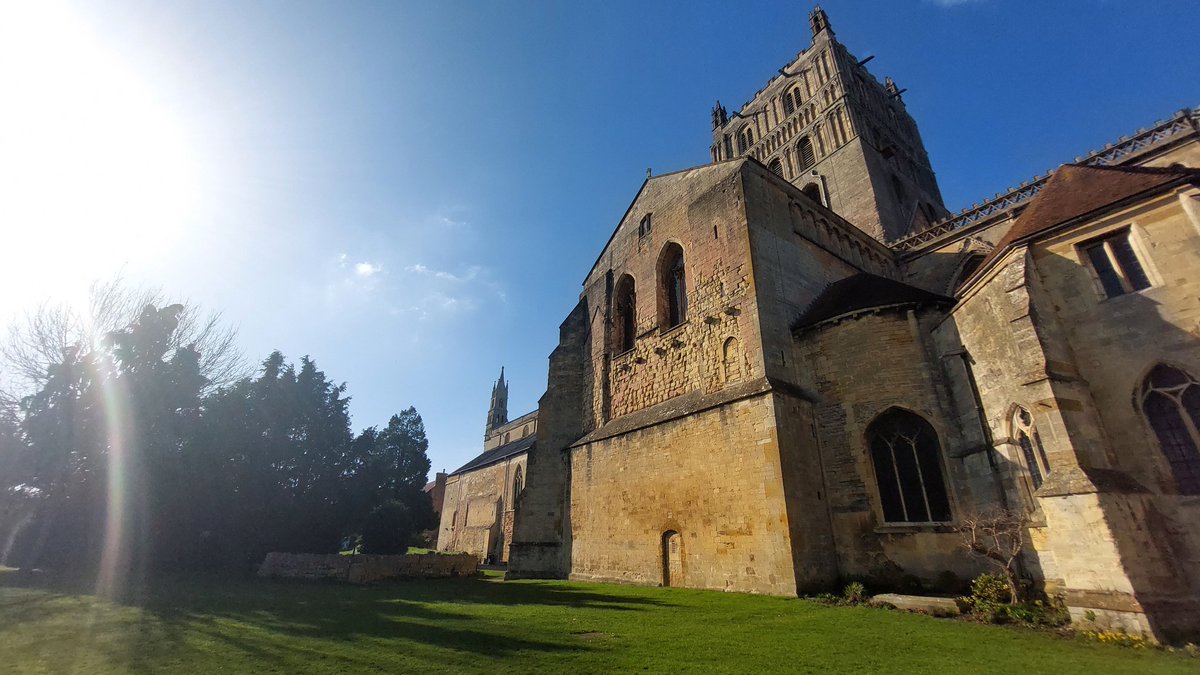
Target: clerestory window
[1116,264]
[672,287]
[625,311]
[908,468]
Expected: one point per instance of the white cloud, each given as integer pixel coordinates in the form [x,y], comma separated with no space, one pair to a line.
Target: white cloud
[470,275]
[367,269]
[447,221]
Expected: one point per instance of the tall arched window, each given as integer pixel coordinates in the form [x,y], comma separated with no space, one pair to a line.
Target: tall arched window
[672,293]
[1171,402]
[788,106]
[908,468]
[624,315]
[776,166]
[517,486]
[805,152]
[1033,455]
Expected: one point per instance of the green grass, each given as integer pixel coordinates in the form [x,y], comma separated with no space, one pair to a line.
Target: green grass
[211,624]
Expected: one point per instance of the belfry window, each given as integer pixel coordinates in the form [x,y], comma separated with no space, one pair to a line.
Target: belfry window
[1033,455]
[805,151]
[672,287]
[625,311]
[788,106]
[776,166]
[1170,399]
[813,192]
[1116,265]
[908,468]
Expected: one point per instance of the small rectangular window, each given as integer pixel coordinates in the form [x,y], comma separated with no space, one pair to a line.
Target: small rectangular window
[645,225]
[1116,264]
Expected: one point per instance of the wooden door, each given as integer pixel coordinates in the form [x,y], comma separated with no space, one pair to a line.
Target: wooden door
[672,557]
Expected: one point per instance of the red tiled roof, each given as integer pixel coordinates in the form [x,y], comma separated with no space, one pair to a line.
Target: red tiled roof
[1076,190]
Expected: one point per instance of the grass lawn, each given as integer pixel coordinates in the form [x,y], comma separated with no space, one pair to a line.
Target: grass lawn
[221,624]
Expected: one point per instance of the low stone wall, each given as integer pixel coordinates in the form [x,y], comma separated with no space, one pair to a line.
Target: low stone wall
[364,569]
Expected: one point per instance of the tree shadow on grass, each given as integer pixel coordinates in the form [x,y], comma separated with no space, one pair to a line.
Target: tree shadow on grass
[283,623]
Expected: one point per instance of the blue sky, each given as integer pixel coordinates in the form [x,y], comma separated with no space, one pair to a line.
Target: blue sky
[412,192]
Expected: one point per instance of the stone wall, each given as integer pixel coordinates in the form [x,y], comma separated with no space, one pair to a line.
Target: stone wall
[1114,343]
[700,211]
[713,476]
[860,368]
[475,508]
[363,569]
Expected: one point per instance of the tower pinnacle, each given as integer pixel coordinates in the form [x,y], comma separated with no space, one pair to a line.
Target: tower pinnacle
[819,21]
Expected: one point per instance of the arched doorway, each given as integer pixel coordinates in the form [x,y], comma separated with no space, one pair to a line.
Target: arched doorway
[672,558]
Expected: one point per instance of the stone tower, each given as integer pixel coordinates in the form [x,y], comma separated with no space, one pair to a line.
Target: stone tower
[829,127]
[498,410]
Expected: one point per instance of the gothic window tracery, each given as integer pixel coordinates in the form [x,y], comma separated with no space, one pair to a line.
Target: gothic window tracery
[1033,456]
[908,468]
[1170,399]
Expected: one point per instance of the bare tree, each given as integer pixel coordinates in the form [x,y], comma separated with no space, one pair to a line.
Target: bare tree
[998,536]
[42,336]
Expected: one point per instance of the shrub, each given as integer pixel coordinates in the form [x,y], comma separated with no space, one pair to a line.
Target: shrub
[388,529]
[854,593]
[991,600]
[990,588]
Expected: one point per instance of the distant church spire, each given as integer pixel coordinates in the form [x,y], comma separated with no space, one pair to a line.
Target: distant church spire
[819,21]
[498,411]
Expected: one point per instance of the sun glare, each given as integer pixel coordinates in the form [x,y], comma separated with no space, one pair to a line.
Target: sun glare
[95,171]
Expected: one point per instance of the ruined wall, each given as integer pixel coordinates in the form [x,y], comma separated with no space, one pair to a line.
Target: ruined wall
[365,569]
[477,510]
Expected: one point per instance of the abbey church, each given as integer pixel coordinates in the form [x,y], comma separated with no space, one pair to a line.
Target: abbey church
[793,366]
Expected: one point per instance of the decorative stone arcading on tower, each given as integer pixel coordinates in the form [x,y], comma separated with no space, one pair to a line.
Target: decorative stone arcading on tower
[828,126]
